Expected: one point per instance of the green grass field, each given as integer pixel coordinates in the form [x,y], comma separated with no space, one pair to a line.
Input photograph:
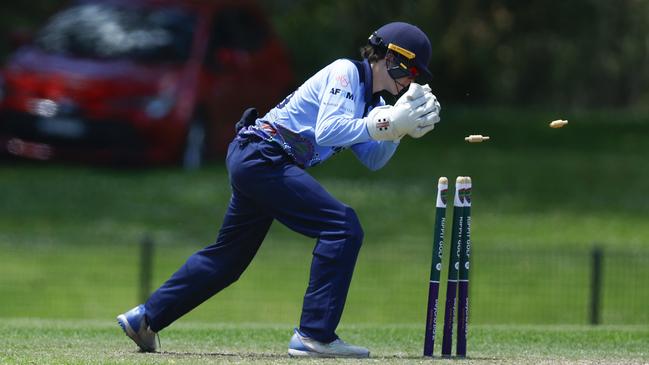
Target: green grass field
[95,342]
[69,243]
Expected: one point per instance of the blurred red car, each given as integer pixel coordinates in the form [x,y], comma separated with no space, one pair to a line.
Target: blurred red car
[140,81]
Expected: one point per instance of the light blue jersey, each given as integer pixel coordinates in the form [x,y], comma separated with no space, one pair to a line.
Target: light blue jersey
[327,114]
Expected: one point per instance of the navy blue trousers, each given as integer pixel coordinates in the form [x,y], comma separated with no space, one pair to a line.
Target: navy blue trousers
[267,185]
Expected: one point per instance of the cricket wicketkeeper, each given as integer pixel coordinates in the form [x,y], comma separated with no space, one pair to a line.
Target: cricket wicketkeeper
[338,108]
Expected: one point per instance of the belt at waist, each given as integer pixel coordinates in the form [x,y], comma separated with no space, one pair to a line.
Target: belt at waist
[299,148]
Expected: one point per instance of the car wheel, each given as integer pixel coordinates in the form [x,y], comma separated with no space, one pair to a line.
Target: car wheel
[194,153]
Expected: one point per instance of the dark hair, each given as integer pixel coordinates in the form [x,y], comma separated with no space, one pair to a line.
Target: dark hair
[372,53]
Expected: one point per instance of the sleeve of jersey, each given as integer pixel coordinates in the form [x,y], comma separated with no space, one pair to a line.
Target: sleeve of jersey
[374,155]
[336,124]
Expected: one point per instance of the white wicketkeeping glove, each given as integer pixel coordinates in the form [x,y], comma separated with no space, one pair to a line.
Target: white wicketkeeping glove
[414,91]
[427,124]
[414,109]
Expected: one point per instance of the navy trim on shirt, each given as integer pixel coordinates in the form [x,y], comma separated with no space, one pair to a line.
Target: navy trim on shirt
[365,77]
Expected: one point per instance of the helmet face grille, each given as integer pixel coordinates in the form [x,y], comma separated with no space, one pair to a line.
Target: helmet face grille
[399,67]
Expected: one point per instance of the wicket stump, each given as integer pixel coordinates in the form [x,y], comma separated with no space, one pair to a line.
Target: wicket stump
[457,286]
[453,267]
[435,266]
[463,283]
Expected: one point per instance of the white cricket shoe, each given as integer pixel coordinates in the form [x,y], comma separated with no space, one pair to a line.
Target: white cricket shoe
[134,325]
[301,346]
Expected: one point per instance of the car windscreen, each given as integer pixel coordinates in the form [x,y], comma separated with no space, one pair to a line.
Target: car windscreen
[107,31]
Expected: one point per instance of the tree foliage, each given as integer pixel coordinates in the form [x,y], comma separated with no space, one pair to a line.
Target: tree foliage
[538,52]
[566,53]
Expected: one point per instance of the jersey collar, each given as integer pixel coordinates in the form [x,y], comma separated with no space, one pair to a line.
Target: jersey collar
[371,100]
